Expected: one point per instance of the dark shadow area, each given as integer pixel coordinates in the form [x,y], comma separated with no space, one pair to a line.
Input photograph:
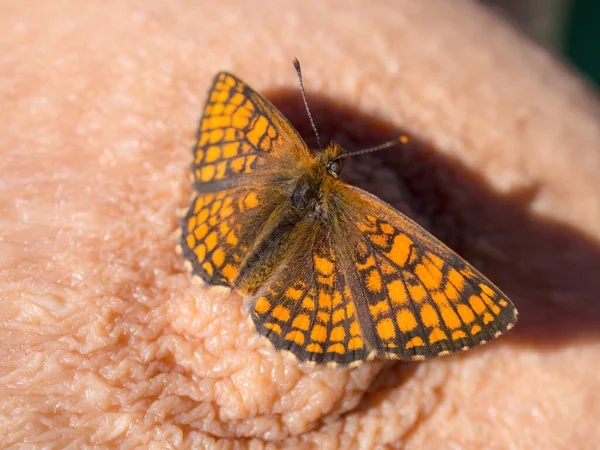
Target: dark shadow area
[551,271]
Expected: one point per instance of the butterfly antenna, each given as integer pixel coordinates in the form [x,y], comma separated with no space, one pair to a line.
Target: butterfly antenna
[312,122]
[403,139]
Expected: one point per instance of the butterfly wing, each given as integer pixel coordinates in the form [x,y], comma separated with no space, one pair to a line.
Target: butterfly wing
[215,232]
[306,307]
[241,137]
[422,299]
[372,283]
[239,131]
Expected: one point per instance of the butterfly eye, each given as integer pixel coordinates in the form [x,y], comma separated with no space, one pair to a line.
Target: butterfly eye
[334,167]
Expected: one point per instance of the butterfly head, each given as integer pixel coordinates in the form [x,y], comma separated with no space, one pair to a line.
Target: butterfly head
[330,159]
[311,192]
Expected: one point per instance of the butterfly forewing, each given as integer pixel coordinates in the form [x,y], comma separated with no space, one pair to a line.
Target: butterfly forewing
[238,131]
[423,300]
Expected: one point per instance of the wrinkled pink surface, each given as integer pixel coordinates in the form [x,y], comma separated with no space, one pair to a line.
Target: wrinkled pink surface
[104,339]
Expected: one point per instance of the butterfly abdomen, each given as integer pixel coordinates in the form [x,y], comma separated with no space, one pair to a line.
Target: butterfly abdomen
[269,247]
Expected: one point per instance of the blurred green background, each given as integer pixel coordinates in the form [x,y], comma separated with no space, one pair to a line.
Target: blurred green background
[568,27]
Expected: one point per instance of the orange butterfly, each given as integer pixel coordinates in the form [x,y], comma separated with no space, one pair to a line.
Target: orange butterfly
[335,275]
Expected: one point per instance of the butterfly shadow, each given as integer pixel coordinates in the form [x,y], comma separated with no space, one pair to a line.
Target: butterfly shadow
[550,270]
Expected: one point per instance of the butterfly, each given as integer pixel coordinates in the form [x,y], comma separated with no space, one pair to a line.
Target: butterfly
[335,275]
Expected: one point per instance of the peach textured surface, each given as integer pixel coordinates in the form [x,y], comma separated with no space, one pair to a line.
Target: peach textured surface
[106,341]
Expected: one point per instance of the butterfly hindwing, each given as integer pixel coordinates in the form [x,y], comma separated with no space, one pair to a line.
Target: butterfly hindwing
[220,228]
[306,307]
